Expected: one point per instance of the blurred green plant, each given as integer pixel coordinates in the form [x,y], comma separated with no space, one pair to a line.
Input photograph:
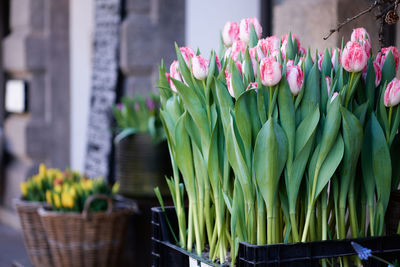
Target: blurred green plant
[139,115]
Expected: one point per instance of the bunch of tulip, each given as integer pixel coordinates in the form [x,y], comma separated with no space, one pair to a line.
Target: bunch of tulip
[139,115]
[34,189]
[70,195]
[273,144]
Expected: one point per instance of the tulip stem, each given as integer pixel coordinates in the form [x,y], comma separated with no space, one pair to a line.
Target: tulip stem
[390,122]
[270,102]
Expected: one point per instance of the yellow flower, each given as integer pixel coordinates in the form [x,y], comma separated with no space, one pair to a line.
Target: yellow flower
[115,188]
[87,184]
[67,200]
[57,201]
[24,188]
[57,188]
[37,179]
[42,170]
[72,191]
[48,197]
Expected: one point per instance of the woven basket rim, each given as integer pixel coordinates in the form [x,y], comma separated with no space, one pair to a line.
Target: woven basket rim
[46,212]
[22,202]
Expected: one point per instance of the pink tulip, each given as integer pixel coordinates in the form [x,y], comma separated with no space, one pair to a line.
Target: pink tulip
[335,94]
[294,76]
[367,46]
[302,51]
[328,84]
[218,62]
[359,34]
[270,71]
[252,86]
[228,77]
[320,59]
[392,93]
[245,27]
[335,52]
[237,48]
[275,54]
[381,57]
[187,53]
[174,73]
[354,57]
[199,67]
[230,33]
[268,44]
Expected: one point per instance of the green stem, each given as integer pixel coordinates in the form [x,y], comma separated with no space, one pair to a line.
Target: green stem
[261,235]
[190,229]
[371,219]
[270,108]
[313,235]
[197,230]
[398,229]
[295,231]
[348,93]
[353,218]
[390,123]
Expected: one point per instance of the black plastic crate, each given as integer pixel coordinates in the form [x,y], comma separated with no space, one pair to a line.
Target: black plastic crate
[164,253]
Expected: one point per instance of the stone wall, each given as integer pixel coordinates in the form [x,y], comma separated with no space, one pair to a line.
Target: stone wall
[148,33]
[37,51]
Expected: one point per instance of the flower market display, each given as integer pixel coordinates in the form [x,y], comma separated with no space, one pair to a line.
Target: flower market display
[271,143]
[65,190]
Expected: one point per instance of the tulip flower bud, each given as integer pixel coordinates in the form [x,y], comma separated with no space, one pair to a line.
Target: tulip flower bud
[392,93]
[378,74]
[218,62]
[328,84]
[302,51]
[270,71]
[199,67]
[359,34]
[381,56]
[294,76]
[320,59]
[173,73]
[335,94]
[354,57]
[268,44]
[252,86]
[237,48]
[228,77]
[187,53]
[230,33]
[245,27]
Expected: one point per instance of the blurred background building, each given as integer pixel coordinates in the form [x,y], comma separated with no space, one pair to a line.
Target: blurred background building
[48,44]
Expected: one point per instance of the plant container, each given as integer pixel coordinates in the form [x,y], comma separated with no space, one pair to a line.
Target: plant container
[166,253]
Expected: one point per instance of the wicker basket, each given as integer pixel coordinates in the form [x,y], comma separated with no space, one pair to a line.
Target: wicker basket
[86,239]
[34,234]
